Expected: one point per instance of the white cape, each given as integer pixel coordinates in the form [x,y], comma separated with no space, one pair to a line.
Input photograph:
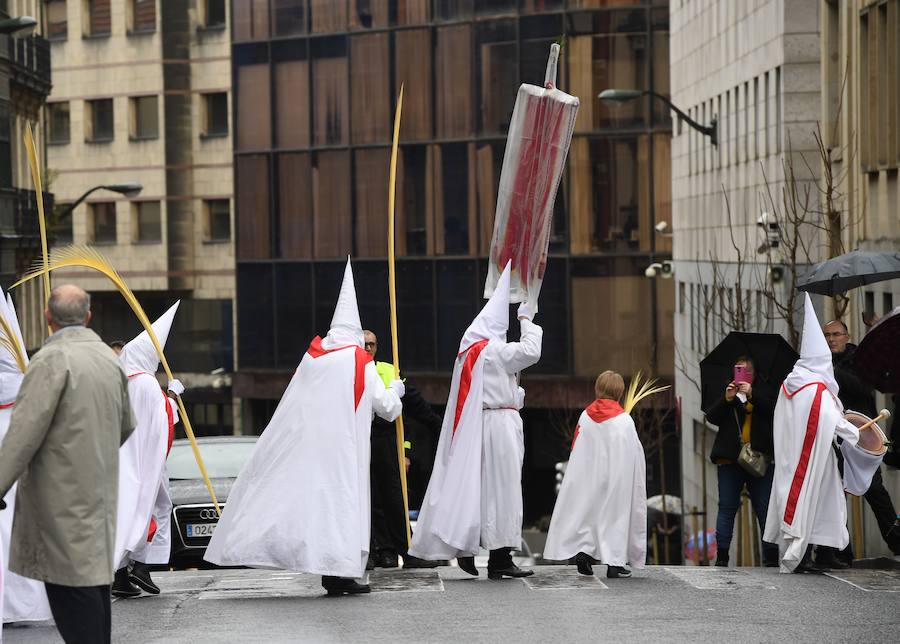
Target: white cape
[602,505]
[302,500]
[141,464]
[807,504]
[21,599]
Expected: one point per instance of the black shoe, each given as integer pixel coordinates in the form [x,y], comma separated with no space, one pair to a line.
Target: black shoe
[617,572]
[121,587]
[414,562]
[584,564]
[721,561]
[386,559]
[810,567]
[510,571]
[337,586]
[467,564]
[140,577]
[828,561]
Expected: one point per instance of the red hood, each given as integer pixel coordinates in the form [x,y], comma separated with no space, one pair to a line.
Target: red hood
[603,409]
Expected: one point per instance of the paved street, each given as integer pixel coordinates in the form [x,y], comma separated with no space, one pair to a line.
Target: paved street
[556,605]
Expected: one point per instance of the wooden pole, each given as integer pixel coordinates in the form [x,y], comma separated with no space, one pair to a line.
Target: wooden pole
[392,289]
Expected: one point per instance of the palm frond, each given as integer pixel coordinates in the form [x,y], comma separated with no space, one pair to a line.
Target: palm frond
[9,340]
[639,388]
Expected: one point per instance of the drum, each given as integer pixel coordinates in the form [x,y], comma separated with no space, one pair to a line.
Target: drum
[872,439]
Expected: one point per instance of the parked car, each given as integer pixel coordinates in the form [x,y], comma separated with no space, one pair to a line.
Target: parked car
[193,515]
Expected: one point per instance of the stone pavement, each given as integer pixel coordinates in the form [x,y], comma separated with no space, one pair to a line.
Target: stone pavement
[672,604]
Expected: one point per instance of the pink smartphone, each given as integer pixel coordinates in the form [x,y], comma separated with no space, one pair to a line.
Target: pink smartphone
[742,374]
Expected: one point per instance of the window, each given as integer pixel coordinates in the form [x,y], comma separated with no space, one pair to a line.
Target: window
[97,18]
[58,122]
[254,126]
[142,16]
[147,222]
[99,121]
[214,13]
[218,220]
[61,233]
[250,19]
[289,17]
[102,222]
[144,118]
[5,148]
[57,22]
[331,100]
[215,108]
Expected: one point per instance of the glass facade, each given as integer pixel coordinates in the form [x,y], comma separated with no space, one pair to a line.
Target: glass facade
[315,88]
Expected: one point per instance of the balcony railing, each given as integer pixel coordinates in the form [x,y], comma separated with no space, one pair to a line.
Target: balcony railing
[19,215]
[30,58]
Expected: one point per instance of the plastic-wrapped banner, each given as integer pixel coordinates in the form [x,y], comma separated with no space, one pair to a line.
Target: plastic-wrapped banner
[536,147]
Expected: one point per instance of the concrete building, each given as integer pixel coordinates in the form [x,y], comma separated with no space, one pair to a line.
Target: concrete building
[762,70]
[143,96]
[24,85]
[315,89]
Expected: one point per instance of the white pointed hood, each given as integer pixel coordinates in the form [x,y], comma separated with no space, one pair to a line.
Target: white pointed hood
[10,373]
[139,355]
[815,363]
[346,329]
[493,320]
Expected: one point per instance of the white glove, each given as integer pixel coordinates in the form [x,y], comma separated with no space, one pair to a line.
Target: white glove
[528,309]
[175,386]
[398,388]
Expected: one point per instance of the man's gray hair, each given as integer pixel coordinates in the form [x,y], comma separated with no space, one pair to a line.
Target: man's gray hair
[69,305]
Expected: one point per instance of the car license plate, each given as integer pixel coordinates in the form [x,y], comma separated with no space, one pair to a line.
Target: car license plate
[200,529]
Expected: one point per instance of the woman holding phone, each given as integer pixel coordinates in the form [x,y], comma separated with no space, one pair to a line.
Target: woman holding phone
[744,417]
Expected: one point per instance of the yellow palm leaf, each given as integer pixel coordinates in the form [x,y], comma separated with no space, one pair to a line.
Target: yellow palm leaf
[9,339]
[638,389]
[87,257]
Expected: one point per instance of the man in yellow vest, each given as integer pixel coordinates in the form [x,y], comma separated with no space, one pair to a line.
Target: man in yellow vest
[388,522]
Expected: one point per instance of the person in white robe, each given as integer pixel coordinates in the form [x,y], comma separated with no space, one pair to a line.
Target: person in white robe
[601,512]
[807,505]
[144,505]
[474,495]
[21,599]
[302,501]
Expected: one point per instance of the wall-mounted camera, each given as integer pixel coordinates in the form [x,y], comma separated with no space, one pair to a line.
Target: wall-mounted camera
[665,269]
[776,274]
[769,223]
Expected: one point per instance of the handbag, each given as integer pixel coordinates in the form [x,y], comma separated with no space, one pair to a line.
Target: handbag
[752,461]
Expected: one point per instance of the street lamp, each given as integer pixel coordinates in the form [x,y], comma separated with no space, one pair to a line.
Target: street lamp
[131,190]
[616,97]
[18,26]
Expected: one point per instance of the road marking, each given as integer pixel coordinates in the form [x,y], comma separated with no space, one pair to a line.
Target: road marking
[877,581]
[562,580]
[714,578]
[405,581]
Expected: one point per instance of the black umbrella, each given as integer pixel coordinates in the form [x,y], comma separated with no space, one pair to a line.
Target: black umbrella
[773,358]
[851,270]
[877,358]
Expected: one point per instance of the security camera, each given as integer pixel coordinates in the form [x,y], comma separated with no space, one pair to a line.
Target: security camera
[662,226]
[776,274]
[768,222]
[667,270]
[653,270]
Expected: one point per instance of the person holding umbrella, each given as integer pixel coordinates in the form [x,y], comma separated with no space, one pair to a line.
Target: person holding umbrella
[742,453]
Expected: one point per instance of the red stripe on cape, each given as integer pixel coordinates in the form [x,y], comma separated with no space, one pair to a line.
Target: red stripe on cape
[316,350]
[465,378]
[812,428]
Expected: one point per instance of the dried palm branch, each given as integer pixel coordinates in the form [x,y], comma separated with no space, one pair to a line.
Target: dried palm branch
[9,340]
[87,257]
[638,389]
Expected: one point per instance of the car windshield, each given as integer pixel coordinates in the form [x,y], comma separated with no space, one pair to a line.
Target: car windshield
[222,460]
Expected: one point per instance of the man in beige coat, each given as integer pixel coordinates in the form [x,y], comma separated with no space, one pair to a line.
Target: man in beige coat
[71,415]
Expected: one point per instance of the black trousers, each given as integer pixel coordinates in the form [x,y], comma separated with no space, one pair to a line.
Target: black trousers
[82,613]
[883,508]
[388,522]
[500,558]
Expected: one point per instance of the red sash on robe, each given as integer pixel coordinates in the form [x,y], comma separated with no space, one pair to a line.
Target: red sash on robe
[362,359]
[465,378]
[812,428]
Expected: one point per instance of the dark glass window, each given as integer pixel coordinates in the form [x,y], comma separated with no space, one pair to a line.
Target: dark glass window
[256,322]
[143,16]
[415,315]
[294,312]
[216,112]
[215,13]
[103,222]
[497,81]
[57,20]
[100,120]
[58,122]
[218,219]
[455,202]
[99,18]
[61,232]
[458,303]
[289,17]
[148,222]
[144,118]
[249,17]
